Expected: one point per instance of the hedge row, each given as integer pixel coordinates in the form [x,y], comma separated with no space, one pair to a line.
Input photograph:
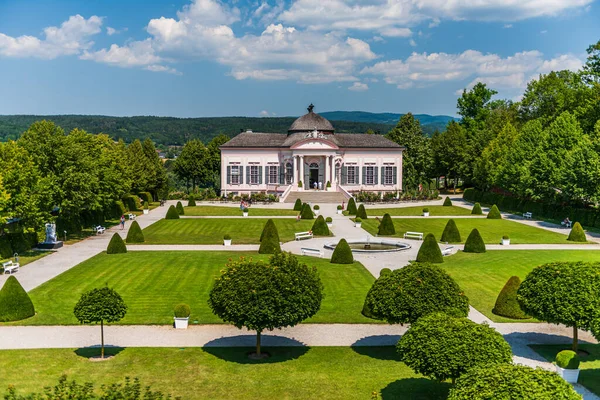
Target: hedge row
[146,196]
[132,202]
[18,242]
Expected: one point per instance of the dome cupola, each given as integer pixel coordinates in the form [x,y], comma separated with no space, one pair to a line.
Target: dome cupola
[310,122]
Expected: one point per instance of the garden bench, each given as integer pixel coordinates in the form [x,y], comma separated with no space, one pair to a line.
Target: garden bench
[527,215]
[567,224]
[303,235]
[447,251]
[10,267]
[99,229]
[131,216]
[311,252]
[413,235]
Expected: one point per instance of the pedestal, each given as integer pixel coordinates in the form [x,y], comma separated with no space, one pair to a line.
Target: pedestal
[50,246]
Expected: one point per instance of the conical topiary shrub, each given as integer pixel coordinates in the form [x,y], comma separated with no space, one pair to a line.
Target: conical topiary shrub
[447,202]
[361,212]
[116,245]
[351,206]
[298,205]
[506,303]
[476,209]
[451,233]
[269,239]
[577,233]
[494,213]
[172,213]
[320,227]
[135,234]
[430,251]
[342,253]
[386,227]
[15,303]
[306,212]
[474,243]
[191,201]
[179,208]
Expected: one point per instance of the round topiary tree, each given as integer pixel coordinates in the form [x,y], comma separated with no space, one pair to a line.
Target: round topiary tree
[474,243]
[511,381]
[447,202]
[172,213]
[269,239]
[351,206]
[116,245]
[100,305]
[306,212]
[259,296]
[15,303]
[298,205]
[477,209]
[179,208]
[385,271]
[416,290]
[182,311]
[507,304]
[564,293]
[444,347]
[494,213]
[342,254]
[361,212]
[451,233]
[191,201]
[320,227]
[135,234]
[386,226]
[430,251]
[567,359]
[577,234]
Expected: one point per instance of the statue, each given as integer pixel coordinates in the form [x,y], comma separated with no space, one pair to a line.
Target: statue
[310,108]
[50,233]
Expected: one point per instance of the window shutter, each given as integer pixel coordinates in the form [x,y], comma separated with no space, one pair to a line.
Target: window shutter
[248,180]
[260,169]
[344,175]
[282,174]
[228,175]
[395,172]
[364,175]
[383,169]
[375,175]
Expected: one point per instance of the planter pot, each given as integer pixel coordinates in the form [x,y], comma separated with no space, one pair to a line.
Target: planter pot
[226,242]
[245,214]
[358,224]
[317,212]
[300,189]
[328,189]
[339,211]
[569,375]
[329,224]
[426,214]
[181,323]
[505,242]
[146,211]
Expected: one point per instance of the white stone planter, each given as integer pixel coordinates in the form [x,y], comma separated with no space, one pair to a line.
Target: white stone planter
[245,214]
[505,242]
[426,214]
[329,224]
[226,242]
[181,323]
[300,189]
[317,212]
[339,211]
[569,375]
[146,211]
[358,224]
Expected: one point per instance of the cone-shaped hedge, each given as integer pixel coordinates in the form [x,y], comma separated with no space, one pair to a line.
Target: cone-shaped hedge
[135,234]
[172,213]
[351,206]
[342,253]
[306,212]
[191,201]
[577,233]
[179,208]
[447,202]
[430,251]
[474,243]
[15,303]
[269,239]
[451,233]
[506,303]
[386,227]
[298,205]
[320,227]
[116,245]
[477,209]
[494,213]
[361,212]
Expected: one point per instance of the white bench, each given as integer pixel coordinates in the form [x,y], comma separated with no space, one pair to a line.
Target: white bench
[413,235]
[311,252]
[303,235]
[99,229]
[567,224]
[527,215]
[10,267]
[131,217]
[447,251]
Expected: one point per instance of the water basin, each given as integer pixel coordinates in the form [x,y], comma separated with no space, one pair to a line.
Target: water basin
[374,245]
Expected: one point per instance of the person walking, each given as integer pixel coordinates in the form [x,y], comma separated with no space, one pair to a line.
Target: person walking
[122,222]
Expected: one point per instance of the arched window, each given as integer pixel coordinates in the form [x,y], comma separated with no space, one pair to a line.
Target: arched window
[289,173]
[313,165]
[338,172]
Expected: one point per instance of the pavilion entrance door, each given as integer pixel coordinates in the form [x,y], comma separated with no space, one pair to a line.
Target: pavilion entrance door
[313,176]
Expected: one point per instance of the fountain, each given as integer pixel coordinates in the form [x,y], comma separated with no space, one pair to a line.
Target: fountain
[372,245]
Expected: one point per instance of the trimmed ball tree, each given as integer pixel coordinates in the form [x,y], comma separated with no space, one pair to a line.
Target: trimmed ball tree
[306,212]
[386,226]
[361,212]
[447,202]
[506,303]
[416,290]
[116,245]
[320,227]
[172,213]
[474,243]
[494,213]
[259,295]
[577,234]
[269,239]
[342,254]
[15,303]
[477,209]
[451,233]
[135,234]
[179,208]
[351,206]
[564,293]
[443,347]
[430,251]
[298,205]
[100,306]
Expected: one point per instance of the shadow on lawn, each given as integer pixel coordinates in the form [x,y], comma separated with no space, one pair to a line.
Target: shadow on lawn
[415,388]
[381,347]
[94,351]
[237,348]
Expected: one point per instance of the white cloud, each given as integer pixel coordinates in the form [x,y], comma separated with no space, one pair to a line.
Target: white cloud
[264,113]
[507,26]
[412,43]
[112,31]
[543,32]
[134,54]
[358,87]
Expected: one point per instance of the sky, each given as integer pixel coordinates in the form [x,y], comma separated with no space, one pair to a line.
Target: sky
[200,58]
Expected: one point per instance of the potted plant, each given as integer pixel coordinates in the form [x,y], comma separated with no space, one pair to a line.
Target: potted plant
[567,365]
[328,186]
[426,212]
[182,315]
[339,209]
[316,208]
[227,240]
[357,222]
[146,208]
[245,211]
[329,222]
[505,240]
[300,187]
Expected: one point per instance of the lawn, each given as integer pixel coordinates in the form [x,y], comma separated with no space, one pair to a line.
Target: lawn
[434,211]
[212,211]
[27,257]
[589,376]
[482,276]
[212,230]
[152,283]
[226,373]
[491,230]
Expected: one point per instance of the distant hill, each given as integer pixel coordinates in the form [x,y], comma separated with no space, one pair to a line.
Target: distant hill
[429,122]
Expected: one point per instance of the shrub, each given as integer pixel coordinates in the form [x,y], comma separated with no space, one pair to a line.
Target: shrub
[425,210]
[385,271]
[329,220]
[361,212]
[342,253]
[316,207]
[5,248]
[477,209]
[358,220]
[494,213]
[146,206]
[191,201]
[474,243]
[132,202]
[506,303]
[117,209]
[146,196]
[298,205]
[430,251]
[269,239]
[306,212]
[577,234]
[339,207]
[567,359]
[351,206]
[245,209]
[172,213]
[179,208]
[451,233]
[135,234]
[227,236]
[386,227]
[15,303]
[505,237]
[116,245]
[447,202]
[299,184]
[182,311]
[320,228]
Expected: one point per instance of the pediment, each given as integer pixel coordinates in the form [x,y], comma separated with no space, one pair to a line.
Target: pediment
[315,144]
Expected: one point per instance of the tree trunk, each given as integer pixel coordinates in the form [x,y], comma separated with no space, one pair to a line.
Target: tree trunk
[455,183]
[258,343]
[575,339]
[102,338]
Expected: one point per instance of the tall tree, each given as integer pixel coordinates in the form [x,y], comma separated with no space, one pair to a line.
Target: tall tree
[190,165]
[454,146]
[158,174]
[139,166]
[591,69]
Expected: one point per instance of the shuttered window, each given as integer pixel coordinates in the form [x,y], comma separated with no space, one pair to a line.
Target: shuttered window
[235,174]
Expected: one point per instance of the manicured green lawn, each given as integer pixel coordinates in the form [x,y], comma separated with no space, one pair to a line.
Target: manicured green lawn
[153,283]
[27,257]
[491,230]
[589,376]
[482,276]
[235,211]
[212,230]
[434,211]
[226,373]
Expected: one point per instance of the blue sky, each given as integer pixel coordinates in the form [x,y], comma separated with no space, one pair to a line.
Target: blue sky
[273,57]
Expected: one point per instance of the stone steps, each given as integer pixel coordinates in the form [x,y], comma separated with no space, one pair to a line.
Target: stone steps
[315,197]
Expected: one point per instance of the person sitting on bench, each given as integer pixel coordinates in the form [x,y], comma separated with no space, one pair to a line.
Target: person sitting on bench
[567,221]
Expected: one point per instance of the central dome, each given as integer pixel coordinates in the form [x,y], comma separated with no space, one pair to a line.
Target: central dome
[310,122]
